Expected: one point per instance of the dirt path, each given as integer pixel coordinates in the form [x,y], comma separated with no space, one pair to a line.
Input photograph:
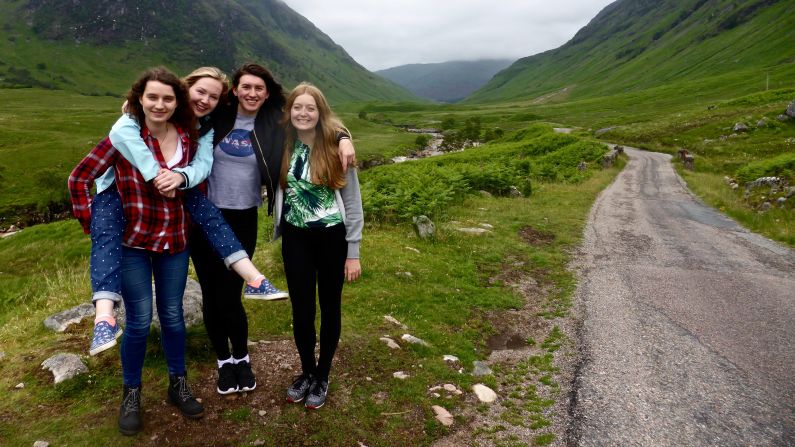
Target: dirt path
[688,321]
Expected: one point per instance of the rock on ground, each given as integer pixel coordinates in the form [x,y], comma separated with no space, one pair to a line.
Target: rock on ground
[62,320]
[64,366]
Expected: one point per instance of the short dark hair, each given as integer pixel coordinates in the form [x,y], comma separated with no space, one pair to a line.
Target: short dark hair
[275,90]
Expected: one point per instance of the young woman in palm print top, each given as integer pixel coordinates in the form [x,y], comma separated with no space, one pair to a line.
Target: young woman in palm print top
[321,227]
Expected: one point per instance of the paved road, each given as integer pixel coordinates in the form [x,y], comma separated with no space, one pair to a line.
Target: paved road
[688,322]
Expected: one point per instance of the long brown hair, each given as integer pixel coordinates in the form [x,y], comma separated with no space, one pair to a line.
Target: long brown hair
[324,159]
[183,115]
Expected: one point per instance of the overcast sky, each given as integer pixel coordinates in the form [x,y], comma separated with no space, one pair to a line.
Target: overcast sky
[386,33]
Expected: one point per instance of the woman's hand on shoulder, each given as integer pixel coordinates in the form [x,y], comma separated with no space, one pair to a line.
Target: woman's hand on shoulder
[353,269]
[347,153]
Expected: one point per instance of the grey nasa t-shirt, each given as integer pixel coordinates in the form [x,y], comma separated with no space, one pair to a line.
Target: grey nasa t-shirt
[234,182]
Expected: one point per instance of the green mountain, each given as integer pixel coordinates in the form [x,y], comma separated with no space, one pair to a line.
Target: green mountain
[446,81]
[98,47]
[634,45]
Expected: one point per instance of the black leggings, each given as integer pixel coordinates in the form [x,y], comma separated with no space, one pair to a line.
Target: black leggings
[315,257]
[222,306]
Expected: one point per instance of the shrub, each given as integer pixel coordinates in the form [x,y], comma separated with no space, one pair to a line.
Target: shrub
[781,166]
[429,186]
[422,140]
[399,192]
[561,165]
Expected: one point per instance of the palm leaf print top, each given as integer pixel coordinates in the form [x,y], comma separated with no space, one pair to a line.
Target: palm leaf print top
[306,204]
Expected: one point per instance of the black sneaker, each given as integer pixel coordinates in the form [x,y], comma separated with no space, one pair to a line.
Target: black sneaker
[180,396]
[317,394]
[245,377]
[297,391]
[130,411]
[227,379]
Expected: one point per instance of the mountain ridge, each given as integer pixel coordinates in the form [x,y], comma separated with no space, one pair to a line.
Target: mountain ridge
[98,46]
[636,44]
[449,81]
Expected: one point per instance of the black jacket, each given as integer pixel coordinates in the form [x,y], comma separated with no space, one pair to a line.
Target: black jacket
[267,139]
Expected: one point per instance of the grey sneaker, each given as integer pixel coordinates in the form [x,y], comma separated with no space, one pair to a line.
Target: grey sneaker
[265,291]
[317,394]
[297,391]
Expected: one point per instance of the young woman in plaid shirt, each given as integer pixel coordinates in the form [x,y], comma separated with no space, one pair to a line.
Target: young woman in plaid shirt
[155,237]
[206,86]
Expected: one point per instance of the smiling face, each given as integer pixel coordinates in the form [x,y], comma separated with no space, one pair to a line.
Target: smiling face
[304,114]
[158,103]
[251,93]
[204,95]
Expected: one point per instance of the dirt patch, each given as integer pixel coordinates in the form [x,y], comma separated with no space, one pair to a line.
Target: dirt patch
[535,237]
[228,419]
[532,373]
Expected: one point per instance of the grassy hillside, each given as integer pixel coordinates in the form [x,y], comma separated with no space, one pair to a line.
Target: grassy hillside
[446,81]
[98,47]
[640,44]
[460,290]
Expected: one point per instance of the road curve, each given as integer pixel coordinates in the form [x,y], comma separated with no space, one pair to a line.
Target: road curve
[687,321]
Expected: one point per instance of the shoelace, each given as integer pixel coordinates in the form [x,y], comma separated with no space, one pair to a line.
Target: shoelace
[319,390]
[184,391]
[131,401]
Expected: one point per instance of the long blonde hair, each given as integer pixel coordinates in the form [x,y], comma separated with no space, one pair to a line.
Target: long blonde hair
[324,159]
[208,72]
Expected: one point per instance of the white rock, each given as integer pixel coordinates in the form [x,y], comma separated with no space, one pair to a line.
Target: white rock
[41,444]
[404,274]
[400,375]
[449,387]
[412,249]
[64,366]
[435,388]
[414,340]
[443,416]
[473,231]
[394,321]
[480,368]
[390,343]
[437,395]
[450,358]
[368,378]
[484,393]
[20,385]
[258,443]
[486,226]
[262,412]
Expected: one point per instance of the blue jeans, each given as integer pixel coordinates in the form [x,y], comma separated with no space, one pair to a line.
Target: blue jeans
[170,272]
[107,228]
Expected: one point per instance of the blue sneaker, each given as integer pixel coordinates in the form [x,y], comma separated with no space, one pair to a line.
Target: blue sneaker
[105,337]
[265,291]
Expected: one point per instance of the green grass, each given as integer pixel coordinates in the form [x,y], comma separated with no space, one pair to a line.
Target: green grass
[442,303]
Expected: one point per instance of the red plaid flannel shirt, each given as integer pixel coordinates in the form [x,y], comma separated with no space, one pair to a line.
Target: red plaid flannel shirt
[152,220]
